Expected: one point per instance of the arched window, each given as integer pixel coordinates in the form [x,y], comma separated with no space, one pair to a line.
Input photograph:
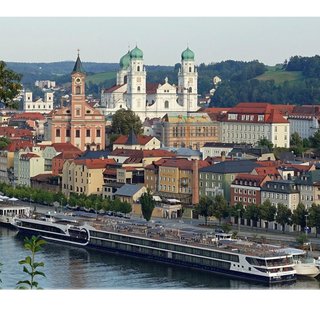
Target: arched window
[190,90]
[190,69]
[78,89]
[125,79]
[138,68]
[139,88]
[166,104]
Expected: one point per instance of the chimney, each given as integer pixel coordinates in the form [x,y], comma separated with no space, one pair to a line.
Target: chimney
[195,181]
[223,156]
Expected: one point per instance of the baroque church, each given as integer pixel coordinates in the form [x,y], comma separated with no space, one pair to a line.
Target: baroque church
[79,123]
[152,100]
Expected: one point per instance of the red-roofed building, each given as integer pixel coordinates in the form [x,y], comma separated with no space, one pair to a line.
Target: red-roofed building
[272,172]
[246,189]
[250,122]
[46,181]
[15,133]
[134,142]
[84,176]
[175,179]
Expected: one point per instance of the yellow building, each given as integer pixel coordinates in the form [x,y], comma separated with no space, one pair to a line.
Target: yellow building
[84,176]
[191,131]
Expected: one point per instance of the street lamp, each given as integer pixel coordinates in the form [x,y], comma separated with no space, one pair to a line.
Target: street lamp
[239,220]
[306,228]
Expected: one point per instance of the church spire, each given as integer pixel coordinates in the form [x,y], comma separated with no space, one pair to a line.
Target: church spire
[78,65]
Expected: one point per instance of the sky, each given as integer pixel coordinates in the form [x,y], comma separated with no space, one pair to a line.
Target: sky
[55,34]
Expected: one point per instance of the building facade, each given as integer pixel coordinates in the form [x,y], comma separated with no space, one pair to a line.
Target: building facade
[192,130]
[151,100]
[40,105]
[80,124]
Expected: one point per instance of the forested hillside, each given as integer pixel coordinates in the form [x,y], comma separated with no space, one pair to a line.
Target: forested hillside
[296,81]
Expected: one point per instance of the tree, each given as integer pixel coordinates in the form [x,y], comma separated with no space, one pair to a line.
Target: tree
[299,215]
[219,207]
[9,86]
[203,208]
[268,211]
[253,213]
[264,142]
[123,121]
[147,204]
[32,244]
[314,217]
[126,207]
[296,144]
[283,216]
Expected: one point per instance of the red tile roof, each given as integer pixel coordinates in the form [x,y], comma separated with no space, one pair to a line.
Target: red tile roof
[28,156]
[142,140]
[64,155]
[151,88]
[43,177]
[258,179]
[29,116]
[16,145]
[65,147]
[14,133]
[142,153]
[112,89]
[183,164]
[94,163]
[271,171]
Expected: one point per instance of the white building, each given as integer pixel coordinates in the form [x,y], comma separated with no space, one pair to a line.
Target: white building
[250,122]
[152,99]
[44,105]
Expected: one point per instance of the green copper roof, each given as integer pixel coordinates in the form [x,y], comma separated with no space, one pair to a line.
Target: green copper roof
[125,61]
[136,53]
[187,54]
[78,66]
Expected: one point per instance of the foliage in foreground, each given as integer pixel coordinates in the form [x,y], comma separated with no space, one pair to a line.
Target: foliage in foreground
[32,244]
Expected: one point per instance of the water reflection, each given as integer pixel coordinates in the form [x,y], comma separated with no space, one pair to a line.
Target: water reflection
[77,268]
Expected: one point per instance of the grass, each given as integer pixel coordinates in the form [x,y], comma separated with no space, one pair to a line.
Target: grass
[98,78]
[280,76]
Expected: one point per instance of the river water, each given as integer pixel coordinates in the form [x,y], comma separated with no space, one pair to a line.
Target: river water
[77,268]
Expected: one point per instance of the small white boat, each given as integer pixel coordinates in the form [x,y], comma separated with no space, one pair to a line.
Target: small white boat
[305,266]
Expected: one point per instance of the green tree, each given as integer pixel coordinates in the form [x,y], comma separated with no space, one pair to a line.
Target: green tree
[314,217]
[204,208]
[253,212]
[126,207]
[264,142]
[299,215]
[123,121]
[268,211]
[32,244]
[9,86]
[315,140]
[283,216]
[147,204]
[219,207]
[296,144]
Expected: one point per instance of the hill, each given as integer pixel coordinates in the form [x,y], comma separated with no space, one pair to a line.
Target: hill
[280,76]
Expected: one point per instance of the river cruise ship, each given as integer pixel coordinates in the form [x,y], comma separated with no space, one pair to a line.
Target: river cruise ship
[9,211]
[186,247]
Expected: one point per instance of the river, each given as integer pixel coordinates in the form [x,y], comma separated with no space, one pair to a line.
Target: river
[77,268]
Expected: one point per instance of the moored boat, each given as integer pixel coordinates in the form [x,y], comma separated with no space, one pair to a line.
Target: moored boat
[9,211]
[186,248]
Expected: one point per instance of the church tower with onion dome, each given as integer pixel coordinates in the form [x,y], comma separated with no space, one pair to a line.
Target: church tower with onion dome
[136,85]
[188,82]
[124,67]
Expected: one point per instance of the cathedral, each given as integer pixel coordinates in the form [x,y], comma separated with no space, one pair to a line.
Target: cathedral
[152,100]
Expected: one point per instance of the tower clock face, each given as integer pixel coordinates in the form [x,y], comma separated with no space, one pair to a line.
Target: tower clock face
[78,80]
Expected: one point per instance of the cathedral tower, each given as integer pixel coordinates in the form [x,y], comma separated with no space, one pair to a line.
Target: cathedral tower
[136,90]
[188,82]
[123,72]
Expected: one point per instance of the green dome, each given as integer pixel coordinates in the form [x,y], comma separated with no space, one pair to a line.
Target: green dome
[125,61]
[136,53]
[187,54]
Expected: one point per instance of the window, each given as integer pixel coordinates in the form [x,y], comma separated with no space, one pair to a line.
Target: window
[88,133]
[68,133]
[138,69]
[78,89]
[78,112]
[77,133]
[98,133]
[57,132]
[138,88]
[166,104]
